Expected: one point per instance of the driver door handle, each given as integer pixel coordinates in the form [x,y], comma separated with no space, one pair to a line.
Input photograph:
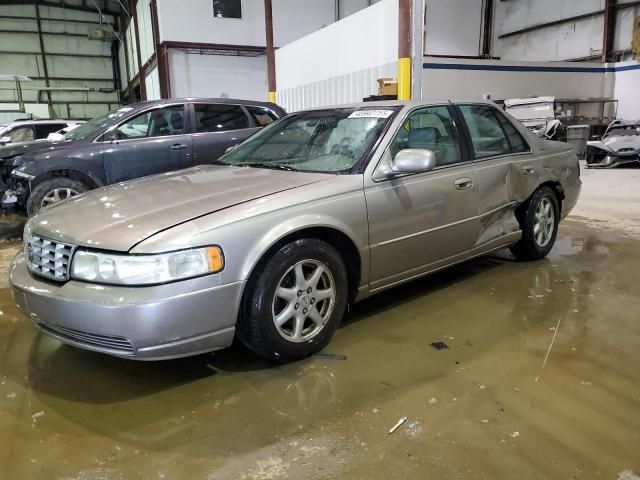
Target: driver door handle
[529,170]
[178,146]
[463,183]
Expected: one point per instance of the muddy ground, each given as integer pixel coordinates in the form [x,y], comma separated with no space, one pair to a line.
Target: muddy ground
[487,407]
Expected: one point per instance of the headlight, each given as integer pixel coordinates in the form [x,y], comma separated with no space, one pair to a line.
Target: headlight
[145,269]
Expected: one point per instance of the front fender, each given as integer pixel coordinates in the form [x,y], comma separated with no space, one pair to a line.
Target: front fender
[247,231]
[296,225]
[35,170]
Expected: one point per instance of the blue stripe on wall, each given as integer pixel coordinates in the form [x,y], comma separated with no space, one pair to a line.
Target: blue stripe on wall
[524,68]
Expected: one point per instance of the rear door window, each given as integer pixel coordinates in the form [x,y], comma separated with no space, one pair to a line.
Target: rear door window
[21,134]
[219,117]
[491,133]
[43,130]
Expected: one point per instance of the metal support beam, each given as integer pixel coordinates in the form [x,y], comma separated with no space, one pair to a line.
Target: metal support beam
[65,34]
[487,29]
[336,8]
[54,54]
[610,11]
[45,68]
[19,93]
[161,54]
[49,19]
[126,57]
[143,89]
[271,56]
[404,50]
[64,5]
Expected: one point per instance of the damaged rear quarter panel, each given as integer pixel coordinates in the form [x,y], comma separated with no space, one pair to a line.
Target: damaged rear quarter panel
[507,182]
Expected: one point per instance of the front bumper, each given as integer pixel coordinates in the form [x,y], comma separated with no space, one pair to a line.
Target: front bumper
[145,323]
[597,158]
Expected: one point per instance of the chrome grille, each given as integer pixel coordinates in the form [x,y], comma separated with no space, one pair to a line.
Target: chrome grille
[120,344]
[48,258]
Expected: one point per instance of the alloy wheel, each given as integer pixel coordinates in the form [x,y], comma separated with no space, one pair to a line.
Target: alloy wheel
[57,195]
[304,301]
[544,222]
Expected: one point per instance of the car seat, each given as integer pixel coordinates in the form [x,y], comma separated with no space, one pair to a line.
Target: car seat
[159,125]
[430,138]
[177,123]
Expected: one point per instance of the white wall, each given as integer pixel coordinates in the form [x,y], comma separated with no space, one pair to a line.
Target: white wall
[132,51]
[143,13]
[453,27]
[569,40]
[469,79]
[292,19]
[152,85]
[195,75]
[627,91]
[341,62]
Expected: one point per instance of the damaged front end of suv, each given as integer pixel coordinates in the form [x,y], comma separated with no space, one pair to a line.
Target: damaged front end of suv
[620,145]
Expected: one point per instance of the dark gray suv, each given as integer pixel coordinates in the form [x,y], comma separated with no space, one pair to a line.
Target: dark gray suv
[134,141]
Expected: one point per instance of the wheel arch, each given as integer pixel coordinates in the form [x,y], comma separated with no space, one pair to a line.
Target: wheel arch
[86,178]
[334,236]
[554,185]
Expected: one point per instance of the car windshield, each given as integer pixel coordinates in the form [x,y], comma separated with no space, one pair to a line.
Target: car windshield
[331,141]
[87,129]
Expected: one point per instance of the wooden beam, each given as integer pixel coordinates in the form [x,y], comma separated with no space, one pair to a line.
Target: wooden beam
[610,11]
[271,56]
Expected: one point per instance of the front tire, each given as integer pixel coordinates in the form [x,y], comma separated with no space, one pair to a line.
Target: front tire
[539,223]
[52,191]
[294,302]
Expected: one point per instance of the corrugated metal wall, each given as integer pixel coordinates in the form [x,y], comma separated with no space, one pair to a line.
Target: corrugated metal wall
[73,61]
[349,88]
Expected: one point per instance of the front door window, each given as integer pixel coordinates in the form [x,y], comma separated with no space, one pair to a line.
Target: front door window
[154,123]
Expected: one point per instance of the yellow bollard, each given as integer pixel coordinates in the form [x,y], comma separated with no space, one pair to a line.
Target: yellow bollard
[404,78]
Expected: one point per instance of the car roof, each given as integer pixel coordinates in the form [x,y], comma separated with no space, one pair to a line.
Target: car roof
[24,121]
[234,101]
[402,103]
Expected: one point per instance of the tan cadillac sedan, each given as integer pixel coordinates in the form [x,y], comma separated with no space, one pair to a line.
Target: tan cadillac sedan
[322,208]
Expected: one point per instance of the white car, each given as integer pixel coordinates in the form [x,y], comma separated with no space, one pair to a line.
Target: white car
[29,129]
[619,145]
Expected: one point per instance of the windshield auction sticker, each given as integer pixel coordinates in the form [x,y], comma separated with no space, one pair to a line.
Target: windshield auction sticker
[371,114]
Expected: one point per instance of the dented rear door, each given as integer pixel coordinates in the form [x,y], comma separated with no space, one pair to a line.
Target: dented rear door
[499,153]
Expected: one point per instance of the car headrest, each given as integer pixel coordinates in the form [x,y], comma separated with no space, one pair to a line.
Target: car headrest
[159,121]
[426,137]
[177,121]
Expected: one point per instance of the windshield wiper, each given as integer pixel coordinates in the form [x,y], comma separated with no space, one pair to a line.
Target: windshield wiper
[275,166]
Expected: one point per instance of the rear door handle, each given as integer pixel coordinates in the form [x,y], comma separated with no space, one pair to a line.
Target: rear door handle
[463,183]
[529,170]
[178,146]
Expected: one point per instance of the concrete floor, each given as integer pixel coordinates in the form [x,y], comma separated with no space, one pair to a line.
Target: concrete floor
[488,407]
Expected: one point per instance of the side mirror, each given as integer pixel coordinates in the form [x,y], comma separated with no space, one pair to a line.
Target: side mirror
[55,137]
[4,140]
[413,160]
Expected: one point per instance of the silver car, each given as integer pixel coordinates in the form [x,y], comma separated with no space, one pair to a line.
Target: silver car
[322,208]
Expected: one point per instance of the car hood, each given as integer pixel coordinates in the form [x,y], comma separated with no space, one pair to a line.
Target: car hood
[617,143]
[14,149]
[120,216]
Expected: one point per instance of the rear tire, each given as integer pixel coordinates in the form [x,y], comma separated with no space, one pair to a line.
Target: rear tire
[52,191]
[539,226]
[294,301]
